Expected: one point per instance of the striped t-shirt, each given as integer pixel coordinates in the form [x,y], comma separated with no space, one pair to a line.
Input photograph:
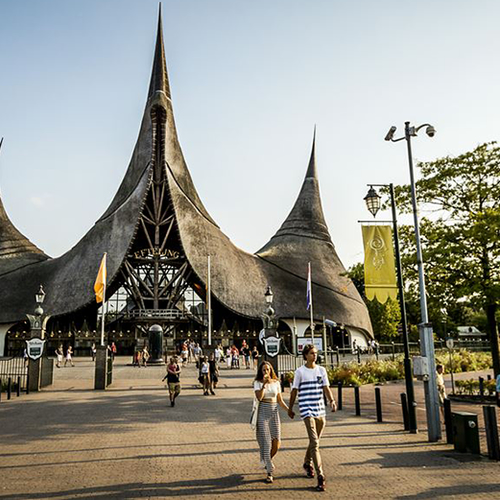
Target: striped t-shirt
[310,382]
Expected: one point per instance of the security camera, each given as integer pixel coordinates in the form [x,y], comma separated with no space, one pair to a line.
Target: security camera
[430,131]
[390,134]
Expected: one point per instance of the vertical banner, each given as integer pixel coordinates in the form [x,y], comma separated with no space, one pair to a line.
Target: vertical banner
[380,271]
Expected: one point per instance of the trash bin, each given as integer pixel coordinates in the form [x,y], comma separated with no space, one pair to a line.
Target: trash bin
[465,432]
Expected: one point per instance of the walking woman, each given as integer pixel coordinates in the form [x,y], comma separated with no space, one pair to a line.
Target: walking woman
[268,393]
[174,383]
[204,377]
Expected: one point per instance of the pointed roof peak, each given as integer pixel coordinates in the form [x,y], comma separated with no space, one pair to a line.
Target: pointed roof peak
[159,76]
[311,169]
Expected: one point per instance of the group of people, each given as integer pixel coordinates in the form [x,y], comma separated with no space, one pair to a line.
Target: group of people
[141,357]
[249,357]
[68,358]
[311,385]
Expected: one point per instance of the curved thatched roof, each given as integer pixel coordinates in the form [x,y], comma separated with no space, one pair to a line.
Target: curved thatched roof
[238,278]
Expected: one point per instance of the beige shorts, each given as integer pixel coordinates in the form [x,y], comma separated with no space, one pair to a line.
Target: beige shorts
[174,387]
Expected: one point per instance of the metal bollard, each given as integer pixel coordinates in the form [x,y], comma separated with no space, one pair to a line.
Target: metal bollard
[339,396]
[18,392]
[490,423]
[489,377]
[357,401]
[9,387]
[448,422]
[404,407]
[378,402]
[481,386]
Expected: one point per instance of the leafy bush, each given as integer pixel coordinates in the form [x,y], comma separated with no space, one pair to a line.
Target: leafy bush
[371,372]
[463,360]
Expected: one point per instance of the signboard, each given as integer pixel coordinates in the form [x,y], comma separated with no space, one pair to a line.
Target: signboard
[34,348]
[449,343]
[302,341]
[272,346]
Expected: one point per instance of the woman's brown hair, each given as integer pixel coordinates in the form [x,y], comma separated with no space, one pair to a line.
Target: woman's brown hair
[260,374]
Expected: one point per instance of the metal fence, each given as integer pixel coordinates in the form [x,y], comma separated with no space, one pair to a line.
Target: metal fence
[14,367]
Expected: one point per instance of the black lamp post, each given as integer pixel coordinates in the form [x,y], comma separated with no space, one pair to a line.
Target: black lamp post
[372,200]
[271,340]
[425,328]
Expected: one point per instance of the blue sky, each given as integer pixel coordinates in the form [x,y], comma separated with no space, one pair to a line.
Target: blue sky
[249,79]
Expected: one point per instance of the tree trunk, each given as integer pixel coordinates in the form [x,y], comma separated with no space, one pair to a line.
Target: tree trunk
[491,310]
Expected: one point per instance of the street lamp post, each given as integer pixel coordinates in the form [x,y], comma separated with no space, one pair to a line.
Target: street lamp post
[38,322]
[372,200]
[271,339]
[425,328]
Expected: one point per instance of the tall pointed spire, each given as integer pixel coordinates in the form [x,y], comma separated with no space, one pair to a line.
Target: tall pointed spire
[306,217]
[311,169]
[159,76]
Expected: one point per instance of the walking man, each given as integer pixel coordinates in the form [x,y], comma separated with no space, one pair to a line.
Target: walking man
[311,383]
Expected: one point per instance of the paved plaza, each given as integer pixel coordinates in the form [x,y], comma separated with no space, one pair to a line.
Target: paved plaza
[69,441]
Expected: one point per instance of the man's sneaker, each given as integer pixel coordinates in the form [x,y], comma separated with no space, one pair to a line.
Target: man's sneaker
[309,470]
[321,484]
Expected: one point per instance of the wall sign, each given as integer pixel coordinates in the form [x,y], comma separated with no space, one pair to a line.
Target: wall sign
[34,348]
[272,346]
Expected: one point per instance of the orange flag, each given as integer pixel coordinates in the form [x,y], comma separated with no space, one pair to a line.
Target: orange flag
[100,282]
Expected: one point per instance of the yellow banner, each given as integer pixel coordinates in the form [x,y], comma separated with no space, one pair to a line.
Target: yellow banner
[380,273]
[100,282]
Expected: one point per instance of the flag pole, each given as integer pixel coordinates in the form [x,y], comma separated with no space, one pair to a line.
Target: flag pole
[311,308]
[103,315]
[209,303]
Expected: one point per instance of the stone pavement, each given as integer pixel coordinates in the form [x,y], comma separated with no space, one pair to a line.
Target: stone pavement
[69,441]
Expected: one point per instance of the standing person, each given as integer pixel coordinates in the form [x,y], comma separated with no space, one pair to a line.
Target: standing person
[255,357]
[214,373]
[229,357]
[59,354]
[113,351]
[235,353]
[218,354]
[204,377]
[245,352]
[184,353]
[173,380]
[440,386]
[267,389]
[93,351]
[69,356]
[311,384]
[145,356]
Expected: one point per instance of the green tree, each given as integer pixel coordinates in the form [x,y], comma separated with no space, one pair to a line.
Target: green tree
[385,317]
[460,199]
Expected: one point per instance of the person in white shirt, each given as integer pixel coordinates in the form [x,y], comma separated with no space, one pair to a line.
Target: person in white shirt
[311,384]
[267,389]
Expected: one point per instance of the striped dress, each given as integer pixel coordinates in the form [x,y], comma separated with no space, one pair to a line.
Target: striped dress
[268,424]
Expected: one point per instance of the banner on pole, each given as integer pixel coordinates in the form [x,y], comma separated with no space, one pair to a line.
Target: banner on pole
[380,272]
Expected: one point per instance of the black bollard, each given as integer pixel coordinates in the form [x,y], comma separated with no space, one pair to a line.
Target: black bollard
[18,391]
[339,396]
[489,377]
[404,407]
[481,386]
[9,387]
[490,423]
[393,351]
[448,421]
[378,402]
[357,401]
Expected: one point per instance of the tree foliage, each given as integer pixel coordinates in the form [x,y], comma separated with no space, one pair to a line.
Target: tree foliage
[459,198]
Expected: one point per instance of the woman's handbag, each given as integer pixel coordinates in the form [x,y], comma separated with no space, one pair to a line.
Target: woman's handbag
[255,413]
